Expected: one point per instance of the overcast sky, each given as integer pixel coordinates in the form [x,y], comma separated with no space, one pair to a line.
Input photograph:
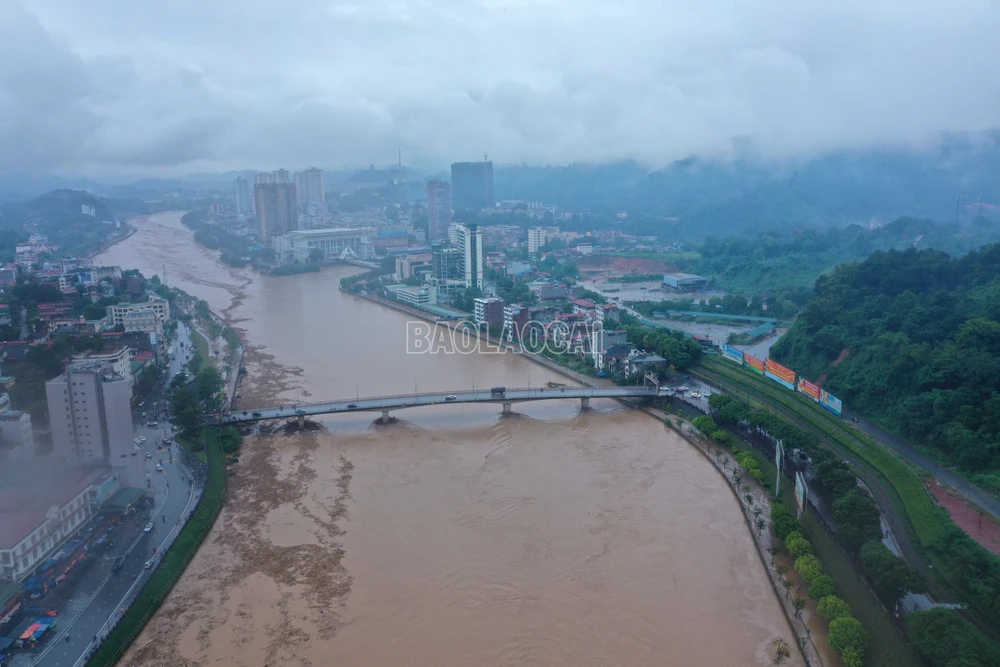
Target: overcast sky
[179,86]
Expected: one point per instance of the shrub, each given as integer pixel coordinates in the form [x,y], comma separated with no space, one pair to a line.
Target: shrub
[831,608]
[720,437]
[784,522]
[808,567]
[848,636]
[797,544]
[821,587]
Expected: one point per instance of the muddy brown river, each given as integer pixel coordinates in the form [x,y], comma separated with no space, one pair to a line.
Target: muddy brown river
[454,536]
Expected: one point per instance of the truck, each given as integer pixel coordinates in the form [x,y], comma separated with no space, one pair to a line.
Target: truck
[498,391]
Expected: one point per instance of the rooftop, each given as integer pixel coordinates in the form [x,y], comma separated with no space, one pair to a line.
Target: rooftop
[31,489]
[322,232]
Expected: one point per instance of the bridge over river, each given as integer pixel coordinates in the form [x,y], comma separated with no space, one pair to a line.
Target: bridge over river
[385,404]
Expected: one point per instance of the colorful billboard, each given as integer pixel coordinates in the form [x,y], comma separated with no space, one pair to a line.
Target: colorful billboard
[753,363]
[731,353]
[780,374]
[830,402]
[809,389]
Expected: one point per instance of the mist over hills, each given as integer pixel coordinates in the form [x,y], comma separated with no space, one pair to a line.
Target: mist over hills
[740,195]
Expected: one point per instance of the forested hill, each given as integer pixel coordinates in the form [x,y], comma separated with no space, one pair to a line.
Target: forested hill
[60,216]
[917,336]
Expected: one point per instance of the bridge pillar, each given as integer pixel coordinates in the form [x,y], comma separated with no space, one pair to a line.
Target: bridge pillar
[385,417]
[585,403]
[302,422]
[506,408]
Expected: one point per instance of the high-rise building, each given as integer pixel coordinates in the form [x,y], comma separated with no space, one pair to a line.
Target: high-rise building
[438,209]
[446,264]
[536,238]
[472,185]
[470,241]
[242,201]
[277,212]
[309,187]
[262,178]
[280,176]
[90,417]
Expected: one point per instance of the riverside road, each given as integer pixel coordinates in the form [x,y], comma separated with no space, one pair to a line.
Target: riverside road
[94,605]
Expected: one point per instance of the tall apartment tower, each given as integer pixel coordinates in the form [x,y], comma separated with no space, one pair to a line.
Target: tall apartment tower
[262,178]
[536,238]
[469,239]
[438,209]
[90,416]
[309,187]
[242,201]
[277,210]
[472,185]
[280,176]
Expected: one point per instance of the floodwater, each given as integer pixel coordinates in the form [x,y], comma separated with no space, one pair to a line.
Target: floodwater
[453,536]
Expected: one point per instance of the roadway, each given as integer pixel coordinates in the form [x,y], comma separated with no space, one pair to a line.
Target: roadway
[382,403]
[91,608]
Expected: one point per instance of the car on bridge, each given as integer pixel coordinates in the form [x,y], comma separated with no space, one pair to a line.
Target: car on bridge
[257,414]
[451,397]
[352,406]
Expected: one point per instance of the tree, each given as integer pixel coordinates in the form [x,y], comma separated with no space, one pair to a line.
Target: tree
[847,635]
[857,519]
[207,384]
[797,545]
[944,639]
[808,567]
[229,439]
[799,604]
[890,575]
[705,424]
[760,523]
[821,587]
[783,521]
[831,608]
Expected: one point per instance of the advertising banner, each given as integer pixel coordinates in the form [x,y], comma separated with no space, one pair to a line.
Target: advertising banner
[801,491]
[780,374]
[753,363]
[830,402]
[731,353]
[809,389]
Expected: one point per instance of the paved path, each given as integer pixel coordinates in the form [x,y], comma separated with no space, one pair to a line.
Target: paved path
[975,495]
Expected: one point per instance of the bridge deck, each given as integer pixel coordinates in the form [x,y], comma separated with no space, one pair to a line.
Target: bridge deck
[398,402]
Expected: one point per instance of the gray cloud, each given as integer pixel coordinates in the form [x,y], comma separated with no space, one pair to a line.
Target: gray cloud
[128,87]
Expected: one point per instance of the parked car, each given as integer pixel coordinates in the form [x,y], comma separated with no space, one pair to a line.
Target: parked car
[142,438]
[695,394]
[149,527]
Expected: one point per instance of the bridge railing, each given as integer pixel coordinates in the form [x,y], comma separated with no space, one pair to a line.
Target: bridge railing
[461,392]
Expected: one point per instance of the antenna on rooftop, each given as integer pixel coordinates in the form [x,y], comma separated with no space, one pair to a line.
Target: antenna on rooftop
[980,212]
[400,152]
[957,203]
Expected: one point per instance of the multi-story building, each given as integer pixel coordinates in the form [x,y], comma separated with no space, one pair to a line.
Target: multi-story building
[323,244]
[242,200]
[280,176]
[409,266]
[536,238]
[392,238]
[91,419]
[438,209]
[424,295]
[147,316]
[118,358]
[489,311]
[501,236]
[472,185]
[40,509]
[16,438]
[277,211]
[446,264]
[469,240]
[309,187]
